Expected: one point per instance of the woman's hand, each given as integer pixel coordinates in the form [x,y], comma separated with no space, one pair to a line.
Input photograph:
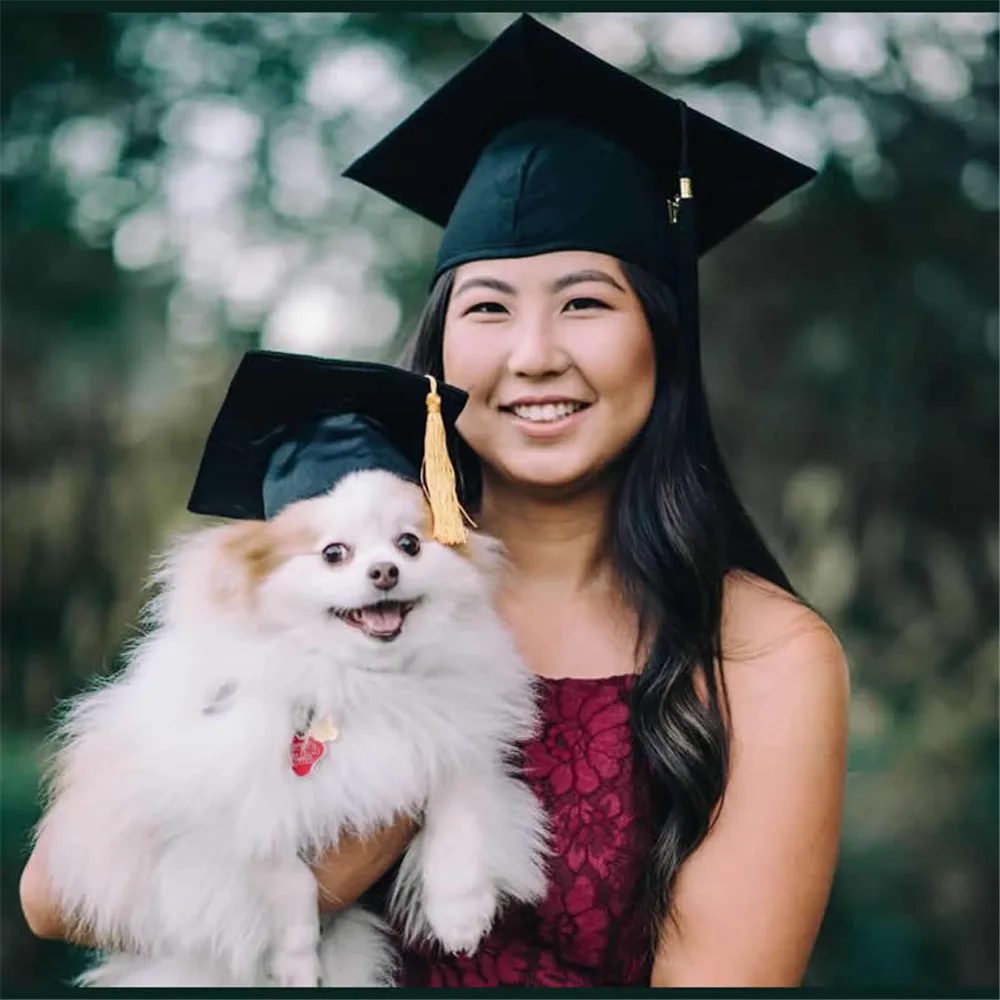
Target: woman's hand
[342,874]
[41,912]
[347,871]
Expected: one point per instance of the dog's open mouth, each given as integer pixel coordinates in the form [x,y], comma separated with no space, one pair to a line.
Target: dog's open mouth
[378,621]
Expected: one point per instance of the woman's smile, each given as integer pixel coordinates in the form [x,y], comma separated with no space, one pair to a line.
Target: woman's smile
[545,417]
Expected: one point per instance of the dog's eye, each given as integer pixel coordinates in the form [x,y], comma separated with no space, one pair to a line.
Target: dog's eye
[336,552]
[408,544]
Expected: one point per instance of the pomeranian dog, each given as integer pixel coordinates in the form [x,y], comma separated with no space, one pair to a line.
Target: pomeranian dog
[301,678]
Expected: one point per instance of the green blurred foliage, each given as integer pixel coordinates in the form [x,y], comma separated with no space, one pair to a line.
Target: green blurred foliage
[167,181]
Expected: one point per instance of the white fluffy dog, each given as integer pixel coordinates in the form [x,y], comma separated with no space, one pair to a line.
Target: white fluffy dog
[316,674]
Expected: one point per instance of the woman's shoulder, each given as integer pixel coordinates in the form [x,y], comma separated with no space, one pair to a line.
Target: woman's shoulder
[760,619]
[778,653]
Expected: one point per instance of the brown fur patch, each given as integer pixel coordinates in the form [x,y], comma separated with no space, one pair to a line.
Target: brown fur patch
[253,550]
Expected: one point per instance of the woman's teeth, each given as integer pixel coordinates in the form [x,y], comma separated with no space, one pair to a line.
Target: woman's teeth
[546,412]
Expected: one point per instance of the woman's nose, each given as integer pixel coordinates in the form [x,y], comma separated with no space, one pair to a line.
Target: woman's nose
[534,351]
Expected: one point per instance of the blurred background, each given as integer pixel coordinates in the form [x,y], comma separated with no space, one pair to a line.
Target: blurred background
[171,197]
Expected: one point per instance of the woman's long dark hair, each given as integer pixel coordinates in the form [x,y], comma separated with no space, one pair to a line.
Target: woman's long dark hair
[675,530]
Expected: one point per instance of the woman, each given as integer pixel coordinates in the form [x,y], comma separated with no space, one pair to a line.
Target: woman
[693,751]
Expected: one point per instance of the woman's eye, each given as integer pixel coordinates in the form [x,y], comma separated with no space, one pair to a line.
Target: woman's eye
[576,305]
[486,307]
[408,544]
[336,552]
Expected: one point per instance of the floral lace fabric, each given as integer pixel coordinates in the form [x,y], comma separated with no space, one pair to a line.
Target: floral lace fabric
[590,929]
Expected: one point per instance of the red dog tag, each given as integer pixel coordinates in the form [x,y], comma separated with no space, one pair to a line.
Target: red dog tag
[308,747]
[305,752]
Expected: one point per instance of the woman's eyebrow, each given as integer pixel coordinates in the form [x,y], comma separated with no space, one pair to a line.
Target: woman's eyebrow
[495,284]
[578,277]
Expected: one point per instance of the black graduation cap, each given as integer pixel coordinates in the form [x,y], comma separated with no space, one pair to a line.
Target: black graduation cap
[291,426]
[537,145]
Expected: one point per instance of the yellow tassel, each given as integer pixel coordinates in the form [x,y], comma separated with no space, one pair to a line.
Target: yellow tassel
[438,476]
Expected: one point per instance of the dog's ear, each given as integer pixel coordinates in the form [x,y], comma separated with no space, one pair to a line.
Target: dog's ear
[488,555]
[223,567]
[247,555]
[214,568]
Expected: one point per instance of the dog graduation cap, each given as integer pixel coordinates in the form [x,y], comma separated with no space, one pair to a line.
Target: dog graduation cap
[292,426]
[536,146]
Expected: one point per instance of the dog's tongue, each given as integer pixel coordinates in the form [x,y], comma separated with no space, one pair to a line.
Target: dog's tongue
[382,619]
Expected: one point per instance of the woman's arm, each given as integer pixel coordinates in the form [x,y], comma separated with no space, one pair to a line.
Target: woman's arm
[749,901]
[342,875]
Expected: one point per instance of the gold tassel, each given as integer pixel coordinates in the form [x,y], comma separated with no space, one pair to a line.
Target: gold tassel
[438,476]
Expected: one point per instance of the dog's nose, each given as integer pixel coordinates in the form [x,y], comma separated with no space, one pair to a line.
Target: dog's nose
[385,575]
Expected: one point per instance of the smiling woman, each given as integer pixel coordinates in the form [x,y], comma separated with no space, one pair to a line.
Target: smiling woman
[692,752]
[634,565]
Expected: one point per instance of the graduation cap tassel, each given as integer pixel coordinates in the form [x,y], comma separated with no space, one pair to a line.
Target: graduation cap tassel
[687,239]
[438,476]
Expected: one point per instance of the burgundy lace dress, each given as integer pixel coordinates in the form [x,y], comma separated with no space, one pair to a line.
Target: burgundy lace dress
[590,929]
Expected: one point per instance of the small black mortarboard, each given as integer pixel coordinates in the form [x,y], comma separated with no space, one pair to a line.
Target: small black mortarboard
[537,145]
[292,426]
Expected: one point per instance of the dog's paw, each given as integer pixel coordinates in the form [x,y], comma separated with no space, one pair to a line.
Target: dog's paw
[460,917]
[292,970]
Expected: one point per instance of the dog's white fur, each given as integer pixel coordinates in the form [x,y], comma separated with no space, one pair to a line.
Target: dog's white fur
[176,826]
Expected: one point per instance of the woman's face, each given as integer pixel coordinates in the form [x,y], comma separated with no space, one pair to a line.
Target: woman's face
[557,358]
